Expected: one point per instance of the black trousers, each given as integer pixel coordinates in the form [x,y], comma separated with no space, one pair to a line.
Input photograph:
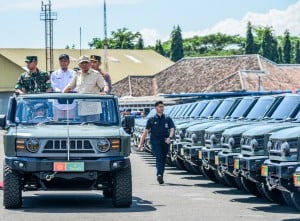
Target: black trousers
[160,151]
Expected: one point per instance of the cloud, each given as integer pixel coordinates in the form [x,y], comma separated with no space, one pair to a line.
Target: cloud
[151,35]
[280,20]
[33,5]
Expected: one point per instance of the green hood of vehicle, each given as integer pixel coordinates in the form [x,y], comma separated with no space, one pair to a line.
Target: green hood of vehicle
[60,131]
[286,134]
[202,126]
[267,128]
[238,130]
[190,123]
[220,127]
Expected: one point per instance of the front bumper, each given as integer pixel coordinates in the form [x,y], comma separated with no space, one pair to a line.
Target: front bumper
[191,155]
[32,165]
[208,157]
[280,175]
[249,167]
[225,162]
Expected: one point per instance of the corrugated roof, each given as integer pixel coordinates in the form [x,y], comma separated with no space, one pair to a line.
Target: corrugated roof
[121,63]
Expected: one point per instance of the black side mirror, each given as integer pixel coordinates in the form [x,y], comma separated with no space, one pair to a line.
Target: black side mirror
[129,122]
[2,121]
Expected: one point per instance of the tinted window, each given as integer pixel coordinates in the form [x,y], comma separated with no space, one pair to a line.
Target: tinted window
[286,107]
[260,108]
[242,108]
[32,111]
[223,108]
[198,110]
[210,108]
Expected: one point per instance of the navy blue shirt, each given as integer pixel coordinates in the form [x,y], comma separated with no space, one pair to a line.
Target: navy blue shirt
[159,127]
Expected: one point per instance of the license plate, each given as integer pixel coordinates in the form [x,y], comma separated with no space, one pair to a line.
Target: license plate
[264,170]
[236,164]
[68,166]
[216,160]
[182,152]
[200,154]
[297,180]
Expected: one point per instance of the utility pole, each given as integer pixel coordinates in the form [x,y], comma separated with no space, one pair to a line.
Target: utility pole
[48,16]
[105,40]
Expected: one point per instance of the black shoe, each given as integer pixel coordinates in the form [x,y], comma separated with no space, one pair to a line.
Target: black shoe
[160,179]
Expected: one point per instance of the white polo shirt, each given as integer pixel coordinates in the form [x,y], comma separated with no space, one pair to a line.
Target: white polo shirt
[59,80]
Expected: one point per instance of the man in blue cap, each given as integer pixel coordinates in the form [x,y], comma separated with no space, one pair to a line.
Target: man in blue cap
[33,80]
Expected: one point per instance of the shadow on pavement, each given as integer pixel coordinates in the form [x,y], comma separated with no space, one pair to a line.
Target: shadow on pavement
[176,184]
[80,203]
[210,184]
[251,200]
[297,219]
[274,208]
[231,192]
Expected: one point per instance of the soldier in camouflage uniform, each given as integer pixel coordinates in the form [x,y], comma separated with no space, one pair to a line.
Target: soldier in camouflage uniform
[33,80]
[95,64]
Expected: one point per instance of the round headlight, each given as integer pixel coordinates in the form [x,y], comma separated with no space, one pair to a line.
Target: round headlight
[103,145]
[181,134]
[242,141]
[222,139]
[253,144]
[269,145]
[194,138]
[32,145]
[285,149]
[213,138]
[231,142]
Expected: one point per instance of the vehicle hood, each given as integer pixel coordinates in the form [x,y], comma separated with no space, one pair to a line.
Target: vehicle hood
[267,128]
[190,123]
[285,134]
[238,130]
[57,131]
[202,126]
[220,127]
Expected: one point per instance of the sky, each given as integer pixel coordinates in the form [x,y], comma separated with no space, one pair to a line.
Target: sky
[21,26]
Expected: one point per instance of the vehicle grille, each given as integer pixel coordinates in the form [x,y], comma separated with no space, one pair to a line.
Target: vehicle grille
[76,146]
[275,149]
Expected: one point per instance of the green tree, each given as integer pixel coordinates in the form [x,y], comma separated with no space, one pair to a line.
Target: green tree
[140,44]
[159,48]
[287,48]
[268,45]
[176,44]
[249,47]
[297,52]
[280,57]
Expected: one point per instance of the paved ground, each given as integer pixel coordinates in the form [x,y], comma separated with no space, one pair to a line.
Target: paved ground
[183,197]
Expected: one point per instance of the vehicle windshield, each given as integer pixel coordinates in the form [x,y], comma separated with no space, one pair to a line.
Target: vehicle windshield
[181,110]
[151,113]
[242,108]
[190,110]
[210,108]
[63,110]
[223,108]
[199,108]
[260,108]
[282,112]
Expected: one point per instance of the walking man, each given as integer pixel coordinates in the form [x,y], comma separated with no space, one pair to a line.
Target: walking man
[161,128]
[33,80]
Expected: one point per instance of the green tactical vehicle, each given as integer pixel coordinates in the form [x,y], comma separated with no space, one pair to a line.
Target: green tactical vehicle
[281,170]
[255,134]
[66,142]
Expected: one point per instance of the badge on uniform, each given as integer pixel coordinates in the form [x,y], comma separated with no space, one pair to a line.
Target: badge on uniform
[166,125]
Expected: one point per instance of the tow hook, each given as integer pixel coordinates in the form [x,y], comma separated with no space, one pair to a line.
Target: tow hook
[49,177]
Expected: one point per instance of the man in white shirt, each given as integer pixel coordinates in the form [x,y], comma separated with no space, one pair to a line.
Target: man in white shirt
[59,80]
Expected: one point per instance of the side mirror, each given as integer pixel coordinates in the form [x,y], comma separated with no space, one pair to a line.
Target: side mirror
[129,122]
[2,121]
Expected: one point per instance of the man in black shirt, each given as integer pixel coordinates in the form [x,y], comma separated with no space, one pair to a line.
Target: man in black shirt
[161,128]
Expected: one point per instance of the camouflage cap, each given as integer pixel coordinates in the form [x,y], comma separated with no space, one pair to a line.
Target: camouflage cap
[83,58]
[30,59]
[95,58]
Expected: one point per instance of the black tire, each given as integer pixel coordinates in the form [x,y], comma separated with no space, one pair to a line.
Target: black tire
[107,193]
[209,174]
[196,169]
[188,166]
[220,177]
[230,181]
[12,192]
[274,195]
[122,188]
[296,200]
[169,161]
[287,196]
[180,164]
[238,181]
[250,187]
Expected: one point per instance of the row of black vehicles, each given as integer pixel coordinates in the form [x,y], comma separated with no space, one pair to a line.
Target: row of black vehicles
[251,143]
